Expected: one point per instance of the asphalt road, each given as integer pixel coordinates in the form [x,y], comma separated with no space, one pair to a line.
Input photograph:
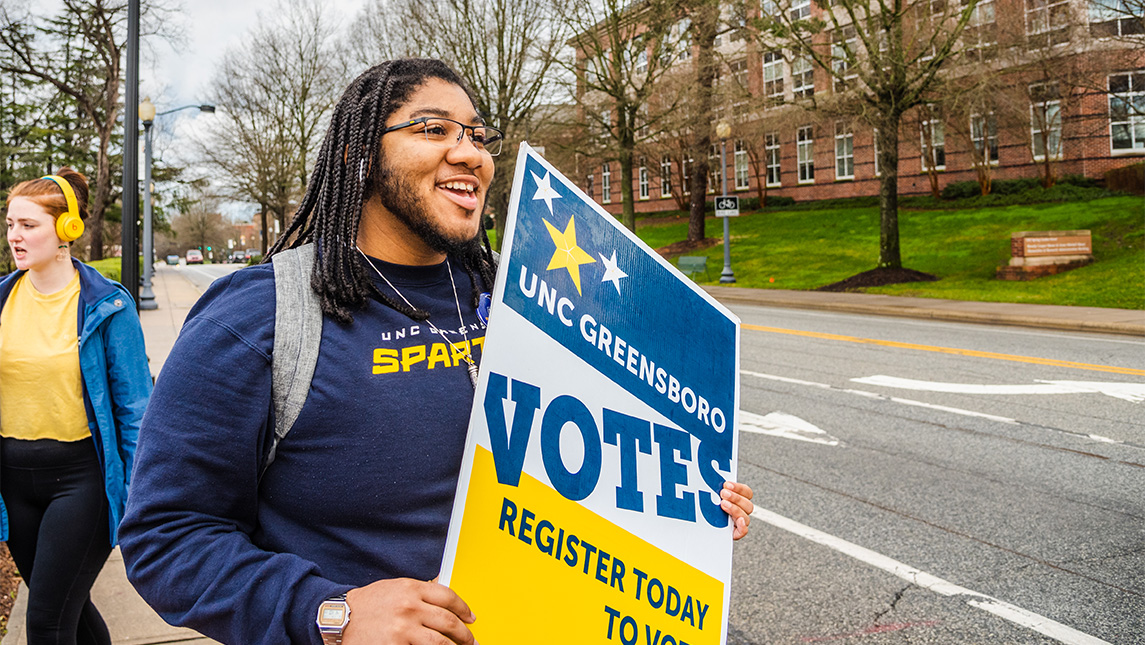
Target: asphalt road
[977,485]
[202,275]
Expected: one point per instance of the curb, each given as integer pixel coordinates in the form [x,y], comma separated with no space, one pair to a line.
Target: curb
[1063,318]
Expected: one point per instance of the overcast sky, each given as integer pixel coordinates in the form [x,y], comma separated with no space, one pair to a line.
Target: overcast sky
[212,27]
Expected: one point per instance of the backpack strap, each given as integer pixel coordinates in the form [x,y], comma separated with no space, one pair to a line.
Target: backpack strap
[297,336]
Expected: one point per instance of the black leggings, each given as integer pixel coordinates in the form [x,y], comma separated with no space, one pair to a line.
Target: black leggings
[58,535]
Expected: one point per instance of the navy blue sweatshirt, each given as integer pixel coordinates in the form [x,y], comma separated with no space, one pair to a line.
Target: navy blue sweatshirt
[360,490]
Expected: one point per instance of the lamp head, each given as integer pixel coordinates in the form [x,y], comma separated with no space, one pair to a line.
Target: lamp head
[147,110]
[723,130]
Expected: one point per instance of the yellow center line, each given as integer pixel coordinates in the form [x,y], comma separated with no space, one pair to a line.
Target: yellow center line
[950,350]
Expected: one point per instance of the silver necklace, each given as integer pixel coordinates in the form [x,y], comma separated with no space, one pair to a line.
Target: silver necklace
[470,365]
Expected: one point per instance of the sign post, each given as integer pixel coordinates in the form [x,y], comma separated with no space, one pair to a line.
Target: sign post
[603,428]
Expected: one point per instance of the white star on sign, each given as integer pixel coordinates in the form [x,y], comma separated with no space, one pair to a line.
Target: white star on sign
[612,273]
[545,190]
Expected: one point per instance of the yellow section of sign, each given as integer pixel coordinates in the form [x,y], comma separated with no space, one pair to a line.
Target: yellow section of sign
[527,559]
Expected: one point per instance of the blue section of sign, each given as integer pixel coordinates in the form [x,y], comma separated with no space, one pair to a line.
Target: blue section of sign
[584,283]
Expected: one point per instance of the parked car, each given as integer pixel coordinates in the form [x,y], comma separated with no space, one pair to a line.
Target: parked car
[173,259]
[239,257]
[194,256]
[250,253]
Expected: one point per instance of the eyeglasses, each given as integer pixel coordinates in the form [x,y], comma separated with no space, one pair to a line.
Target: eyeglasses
[447,132]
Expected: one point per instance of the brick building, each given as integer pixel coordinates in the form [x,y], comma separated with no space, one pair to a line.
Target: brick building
[1068,82]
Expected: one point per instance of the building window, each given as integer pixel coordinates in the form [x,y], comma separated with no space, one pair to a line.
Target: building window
[802,77]
[687,176]
[771,154]
[1116,17]
[875,148]
[843,45]
[1127,110]
[741,165]
[932,132]
[588,187]
[642,61]
[804,142]
[605,123]
[1045,121]
[800,10]
[605,184]
[682,34]
[844,151]
[643,179]
[773,77]
[984,136]
[978,36]
[665,176]
[1047,22]
[715,170]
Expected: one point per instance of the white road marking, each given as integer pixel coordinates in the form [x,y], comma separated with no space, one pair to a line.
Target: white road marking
[1012,613]
[883,397]
[779,424]
[1132,392]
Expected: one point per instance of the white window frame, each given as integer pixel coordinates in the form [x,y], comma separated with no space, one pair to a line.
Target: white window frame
[799,10]
[641,64]
[805,153]
[773,73]
[1133,119]
[937,129]
[875,148]
[715,170]
[686,180]
[643,180]
[980,32]
[1048,22]
[843,42]
[1115,18]
[665,176]
[683,38]
[1050,119]
[984,136]
[605,184]
[742,178]
[802,71]
[844,152]
[772,157]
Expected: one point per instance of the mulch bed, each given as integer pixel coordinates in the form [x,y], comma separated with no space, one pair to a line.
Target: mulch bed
[679,248]
[9,581]
[878,278]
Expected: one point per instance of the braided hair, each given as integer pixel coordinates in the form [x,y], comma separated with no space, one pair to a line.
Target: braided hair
[344,179]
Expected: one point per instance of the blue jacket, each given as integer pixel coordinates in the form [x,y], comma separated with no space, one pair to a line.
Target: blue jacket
[116,381]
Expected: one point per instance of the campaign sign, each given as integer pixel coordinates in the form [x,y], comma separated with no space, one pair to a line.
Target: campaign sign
[602,431]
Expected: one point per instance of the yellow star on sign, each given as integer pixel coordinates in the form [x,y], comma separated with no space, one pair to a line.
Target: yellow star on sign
[568,255]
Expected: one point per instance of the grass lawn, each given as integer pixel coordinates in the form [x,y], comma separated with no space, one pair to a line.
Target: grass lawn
[808,248]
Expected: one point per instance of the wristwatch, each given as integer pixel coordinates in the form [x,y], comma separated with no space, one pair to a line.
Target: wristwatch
[333,616]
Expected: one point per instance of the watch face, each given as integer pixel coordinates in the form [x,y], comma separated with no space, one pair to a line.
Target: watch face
[331,615]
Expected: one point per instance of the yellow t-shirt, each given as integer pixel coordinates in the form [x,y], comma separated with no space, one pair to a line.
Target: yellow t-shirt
[41,388]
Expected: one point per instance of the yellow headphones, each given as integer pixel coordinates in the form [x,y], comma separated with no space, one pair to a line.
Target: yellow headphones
[69,226]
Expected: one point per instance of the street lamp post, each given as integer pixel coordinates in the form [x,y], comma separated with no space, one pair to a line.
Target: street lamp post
[146,296]
[147,114]
[723,131]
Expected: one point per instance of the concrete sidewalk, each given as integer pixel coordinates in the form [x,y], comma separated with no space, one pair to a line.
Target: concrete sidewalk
[132,622]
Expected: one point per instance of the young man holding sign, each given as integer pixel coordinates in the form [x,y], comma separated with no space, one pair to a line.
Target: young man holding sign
[339,540]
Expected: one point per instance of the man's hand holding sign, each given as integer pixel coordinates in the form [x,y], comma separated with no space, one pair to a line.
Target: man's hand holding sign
[602,441]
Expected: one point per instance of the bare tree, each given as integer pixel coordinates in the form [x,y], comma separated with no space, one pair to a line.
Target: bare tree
[274,94]
[623,53]
[79,52]
[882,57]
[504,49]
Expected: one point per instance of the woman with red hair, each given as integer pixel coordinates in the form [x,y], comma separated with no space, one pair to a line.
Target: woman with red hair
[74,383]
